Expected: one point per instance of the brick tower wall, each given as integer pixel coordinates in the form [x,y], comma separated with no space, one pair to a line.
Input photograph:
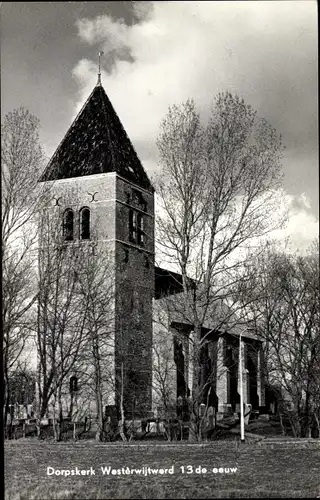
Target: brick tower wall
[134,294]
[74,193]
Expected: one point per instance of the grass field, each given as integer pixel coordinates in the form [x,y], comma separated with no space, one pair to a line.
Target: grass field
[280,471]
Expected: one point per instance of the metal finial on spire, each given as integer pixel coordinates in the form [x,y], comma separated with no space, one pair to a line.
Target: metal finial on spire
[99,73]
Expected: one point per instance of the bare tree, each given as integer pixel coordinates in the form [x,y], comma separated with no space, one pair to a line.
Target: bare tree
[61,318]
[164,369]
[97,363]
[75,331]
[286,315]
[106,361]
[22,385]
[22,161]
[218,194]
[76,327]
[171,376]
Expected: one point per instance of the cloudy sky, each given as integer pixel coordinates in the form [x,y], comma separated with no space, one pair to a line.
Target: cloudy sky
[160,53]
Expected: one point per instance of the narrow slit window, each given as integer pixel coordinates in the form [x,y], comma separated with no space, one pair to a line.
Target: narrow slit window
[68,225]
[132,226]
[85,223]
[140,229]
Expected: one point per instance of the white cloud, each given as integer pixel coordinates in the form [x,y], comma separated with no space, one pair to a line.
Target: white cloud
[186,49]
[302,226]
[196,49]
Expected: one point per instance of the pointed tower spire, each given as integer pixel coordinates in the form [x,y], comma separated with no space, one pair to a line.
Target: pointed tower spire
[96,143]
[99,73]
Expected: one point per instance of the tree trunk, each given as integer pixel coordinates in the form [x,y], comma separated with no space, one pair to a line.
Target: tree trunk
[9,426]
[318,423]
[100,434]
[194,429]
[54,424]
[39,401]
[308,412]
[38,425]
[7,420]
[6,406]
[60,416]
[122,421]
[70,413]
[281,423]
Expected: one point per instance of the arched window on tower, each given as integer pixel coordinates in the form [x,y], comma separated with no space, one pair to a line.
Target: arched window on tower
[85,223]
[140,239]
[73,384]
[68,224]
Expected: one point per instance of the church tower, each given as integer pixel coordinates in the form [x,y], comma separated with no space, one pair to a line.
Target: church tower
[102,193]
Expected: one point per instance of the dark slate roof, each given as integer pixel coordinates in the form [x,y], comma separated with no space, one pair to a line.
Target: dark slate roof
[169,290]
[96,143]
[166,282]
